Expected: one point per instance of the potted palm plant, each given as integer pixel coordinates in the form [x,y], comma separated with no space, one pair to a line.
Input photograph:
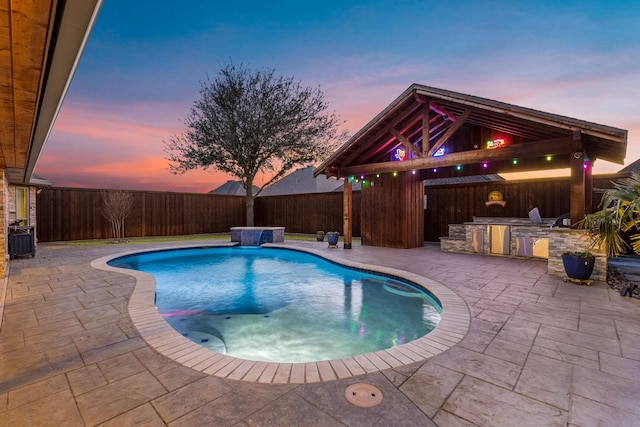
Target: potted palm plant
[619,213]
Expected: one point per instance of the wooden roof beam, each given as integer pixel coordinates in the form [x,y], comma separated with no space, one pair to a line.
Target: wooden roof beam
[405,142]
[551,147]
[420,98]
[413,116]
[449,133]
[426,128]
[442,111]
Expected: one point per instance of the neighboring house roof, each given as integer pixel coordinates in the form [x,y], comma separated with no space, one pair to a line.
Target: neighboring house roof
[39,181]
[355,186]
[232,188]
[302,181]
[463,180]
[633,167]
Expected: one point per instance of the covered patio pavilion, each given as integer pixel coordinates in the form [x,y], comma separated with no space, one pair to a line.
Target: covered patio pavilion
[429,133]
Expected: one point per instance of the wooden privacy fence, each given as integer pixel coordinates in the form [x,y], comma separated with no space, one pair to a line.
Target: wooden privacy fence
[306,213]
[74,214]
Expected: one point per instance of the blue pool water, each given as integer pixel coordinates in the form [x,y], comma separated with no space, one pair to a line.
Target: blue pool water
[280,305]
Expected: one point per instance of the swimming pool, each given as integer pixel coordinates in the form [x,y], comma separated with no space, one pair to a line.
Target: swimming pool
[280,305]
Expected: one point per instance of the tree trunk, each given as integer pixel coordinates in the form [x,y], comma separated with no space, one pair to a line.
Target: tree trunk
[249,200]
[249,205]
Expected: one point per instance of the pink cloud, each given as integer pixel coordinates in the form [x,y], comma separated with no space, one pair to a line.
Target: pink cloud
[99,144]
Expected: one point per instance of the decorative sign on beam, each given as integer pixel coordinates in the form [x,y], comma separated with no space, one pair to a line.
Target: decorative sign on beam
[496,143]
[405,142]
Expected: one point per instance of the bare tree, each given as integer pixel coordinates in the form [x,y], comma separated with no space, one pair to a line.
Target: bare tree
[252,122]
[116,207]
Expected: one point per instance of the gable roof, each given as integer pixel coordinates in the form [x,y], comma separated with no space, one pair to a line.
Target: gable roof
[424,119]
[302,181]
[633,167]
[232,188]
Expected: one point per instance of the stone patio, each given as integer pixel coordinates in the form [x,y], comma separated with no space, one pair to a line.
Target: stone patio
[538,352]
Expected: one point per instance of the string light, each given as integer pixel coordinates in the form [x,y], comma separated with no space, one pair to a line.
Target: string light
[549,158]
[485,165]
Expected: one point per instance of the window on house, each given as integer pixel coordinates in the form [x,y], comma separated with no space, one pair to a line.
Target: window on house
[22,205]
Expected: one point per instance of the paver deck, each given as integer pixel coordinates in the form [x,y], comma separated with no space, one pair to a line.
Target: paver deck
[538,352]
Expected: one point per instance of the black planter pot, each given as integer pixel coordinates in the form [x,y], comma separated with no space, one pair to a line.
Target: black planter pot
[578,268]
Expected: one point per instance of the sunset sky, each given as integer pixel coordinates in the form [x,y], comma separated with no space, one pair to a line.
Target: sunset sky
[142,67]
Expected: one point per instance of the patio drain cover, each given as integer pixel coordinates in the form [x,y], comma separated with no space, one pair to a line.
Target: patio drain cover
[363,395]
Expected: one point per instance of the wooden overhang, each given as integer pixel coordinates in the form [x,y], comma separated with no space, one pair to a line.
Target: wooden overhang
[40,46]
[444,134]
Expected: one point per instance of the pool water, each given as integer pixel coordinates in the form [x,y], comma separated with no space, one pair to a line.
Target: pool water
[279,305]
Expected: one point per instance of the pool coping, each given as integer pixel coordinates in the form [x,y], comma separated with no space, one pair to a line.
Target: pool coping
[453,326]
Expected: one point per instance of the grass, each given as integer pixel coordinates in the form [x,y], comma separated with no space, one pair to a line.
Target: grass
[188,238]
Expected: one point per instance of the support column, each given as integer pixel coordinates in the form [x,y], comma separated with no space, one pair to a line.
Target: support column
[347,211]
[4,223]
[588,185]
[577,183]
